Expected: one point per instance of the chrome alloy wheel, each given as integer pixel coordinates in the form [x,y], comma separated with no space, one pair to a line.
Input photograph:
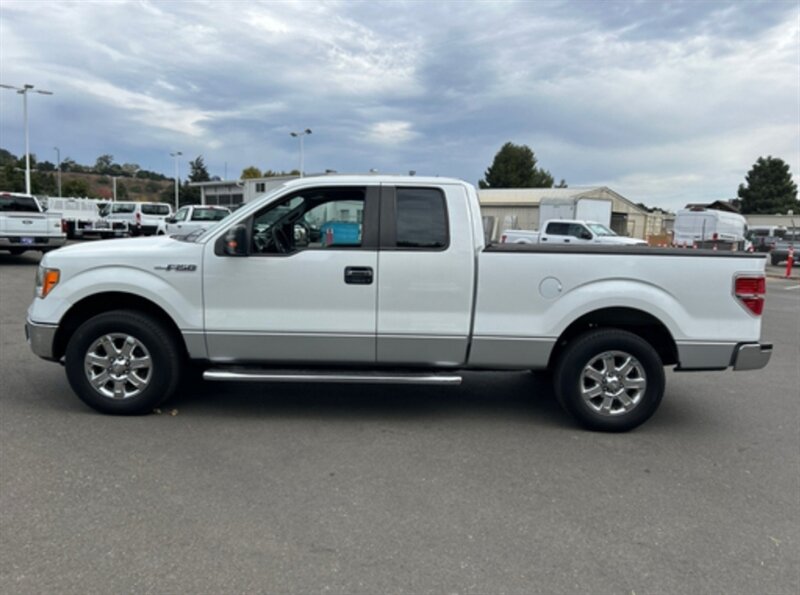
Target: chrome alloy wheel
[118,366]
[613,383]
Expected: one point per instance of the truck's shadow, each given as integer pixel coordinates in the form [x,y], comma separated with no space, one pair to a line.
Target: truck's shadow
[513,395]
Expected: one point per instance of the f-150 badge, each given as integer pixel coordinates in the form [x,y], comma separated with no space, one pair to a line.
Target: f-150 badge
[181,268]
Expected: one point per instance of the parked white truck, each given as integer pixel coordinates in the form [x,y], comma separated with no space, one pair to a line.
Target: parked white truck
[85,217]
[24,225]
[397,286]
[566,231]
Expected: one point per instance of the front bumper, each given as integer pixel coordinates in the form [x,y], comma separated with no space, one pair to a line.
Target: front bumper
[41,337]
[752,356]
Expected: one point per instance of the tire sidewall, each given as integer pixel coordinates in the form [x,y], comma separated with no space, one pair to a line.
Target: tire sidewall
[567,378]
[164,356]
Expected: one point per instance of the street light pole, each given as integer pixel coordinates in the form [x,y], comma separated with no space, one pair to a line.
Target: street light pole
[300,135]
[24,92]
[58,167]
[176,154]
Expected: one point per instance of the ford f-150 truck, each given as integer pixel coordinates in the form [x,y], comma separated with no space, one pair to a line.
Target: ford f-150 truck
[24,225]
[569,231]
[410,294]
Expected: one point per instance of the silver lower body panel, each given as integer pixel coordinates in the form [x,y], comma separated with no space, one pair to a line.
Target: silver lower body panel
[328,376]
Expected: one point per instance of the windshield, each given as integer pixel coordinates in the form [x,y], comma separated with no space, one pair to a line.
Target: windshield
[274,192]
[600,230]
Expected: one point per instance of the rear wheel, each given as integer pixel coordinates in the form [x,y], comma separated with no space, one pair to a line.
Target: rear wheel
[609,380]
[774,259]
[123,362]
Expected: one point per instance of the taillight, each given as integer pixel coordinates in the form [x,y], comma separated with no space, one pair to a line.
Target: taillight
[64,226]
[503,238]
[750,292]
[138,218]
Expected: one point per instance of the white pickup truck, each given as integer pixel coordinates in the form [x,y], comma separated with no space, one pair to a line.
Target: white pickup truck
[192,219]
[379,279]
[24,225]
[569,231]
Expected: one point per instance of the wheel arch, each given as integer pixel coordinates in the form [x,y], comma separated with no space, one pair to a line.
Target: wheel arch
[99,303]
[635,321]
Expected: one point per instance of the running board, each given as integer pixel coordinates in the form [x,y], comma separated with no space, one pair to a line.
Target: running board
[328,376]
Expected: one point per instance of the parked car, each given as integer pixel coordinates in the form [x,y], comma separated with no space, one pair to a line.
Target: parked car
[191,218]
[143,218]
[24,225]
[764,237]
[781,247]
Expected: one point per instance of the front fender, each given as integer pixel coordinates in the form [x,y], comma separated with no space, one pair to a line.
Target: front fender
[177,293]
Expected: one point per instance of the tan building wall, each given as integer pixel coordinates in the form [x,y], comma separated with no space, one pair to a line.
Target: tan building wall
[518,208]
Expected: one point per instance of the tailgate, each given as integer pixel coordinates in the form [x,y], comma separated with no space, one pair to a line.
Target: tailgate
[28,224]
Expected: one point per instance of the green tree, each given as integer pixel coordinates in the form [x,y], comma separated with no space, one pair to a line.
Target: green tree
[103,164]
[273,174]
[12,178]
[198,172]
[514,166]
[7,157]
[251,172]
[770,189]
[75,187]
[122,191]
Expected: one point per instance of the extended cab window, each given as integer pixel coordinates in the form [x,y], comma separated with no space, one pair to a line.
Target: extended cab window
[320,218]
[123,208]
[421,218]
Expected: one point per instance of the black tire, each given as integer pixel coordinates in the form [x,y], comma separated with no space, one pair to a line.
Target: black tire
[152,343]
[774,260]
[624,397]
[15,251]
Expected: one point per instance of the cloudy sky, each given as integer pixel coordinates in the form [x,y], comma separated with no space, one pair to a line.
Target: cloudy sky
[665,102]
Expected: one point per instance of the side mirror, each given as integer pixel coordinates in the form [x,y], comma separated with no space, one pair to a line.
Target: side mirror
[169,220]
[236,241]
[586,235]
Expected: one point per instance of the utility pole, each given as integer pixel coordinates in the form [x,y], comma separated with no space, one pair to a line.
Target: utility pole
[26,88]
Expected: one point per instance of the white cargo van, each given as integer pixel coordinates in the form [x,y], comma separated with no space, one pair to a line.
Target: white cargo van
[708,228]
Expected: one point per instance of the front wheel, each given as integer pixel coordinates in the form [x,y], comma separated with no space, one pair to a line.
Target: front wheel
[609,380]
[123,362]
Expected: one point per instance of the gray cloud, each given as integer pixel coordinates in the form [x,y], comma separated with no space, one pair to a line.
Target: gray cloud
[665,102]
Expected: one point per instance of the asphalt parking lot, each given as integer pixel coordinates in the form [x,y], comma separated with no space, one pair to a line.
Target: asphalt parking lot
[484,488]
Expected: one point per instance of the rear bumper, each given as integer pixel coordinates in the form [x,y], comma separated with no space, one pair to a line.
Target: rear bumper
[35,242]
[752,356]
[40,338]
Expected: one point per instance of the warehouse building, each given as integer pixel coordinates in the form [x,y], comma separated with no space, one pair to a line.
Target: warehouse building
[518,208]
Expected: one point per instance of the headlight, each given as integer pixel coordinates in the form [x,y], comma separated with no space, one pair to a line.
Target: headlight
[46,280]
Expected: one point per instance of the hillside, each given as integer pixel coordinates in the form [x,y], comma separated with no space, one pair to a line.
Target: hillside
[128,188]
